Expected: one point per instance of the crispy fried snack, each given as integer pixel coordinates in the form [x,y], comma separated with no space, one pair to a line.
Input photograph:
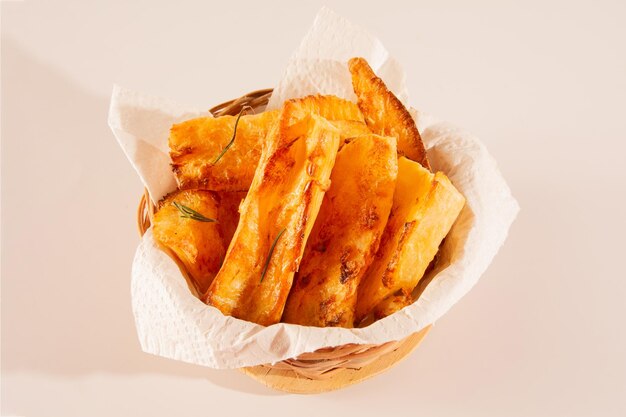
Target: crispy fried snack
[346,234]
[197,244]
[343,114]
[196,144]
[276,218]
[331,108]
[384,113]
[425,206]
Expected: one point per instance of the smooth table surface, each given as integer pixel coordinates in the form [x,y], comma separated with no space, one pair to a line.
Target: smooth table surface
[541,83]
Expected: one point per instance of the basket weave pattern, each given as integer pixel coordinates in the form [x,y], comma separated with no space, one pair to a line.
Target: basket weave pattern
[325,362]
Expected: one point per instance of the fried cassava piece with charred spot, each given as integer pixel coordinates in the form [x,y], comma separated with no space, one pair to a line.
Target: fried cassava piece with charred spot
[425,206]
[276,218]
[346,234]
[228,212]
[196,144]
[384,113]
[391,304]
[183,225]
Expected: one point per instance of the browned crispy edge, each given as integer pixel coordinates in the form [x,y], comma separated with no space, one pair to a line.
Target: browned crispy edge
[360,66]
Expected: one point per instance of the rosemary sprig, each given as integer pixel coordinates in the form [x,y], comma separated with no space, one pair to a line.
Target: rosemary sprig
[189,213]
[232,140]
[269,255]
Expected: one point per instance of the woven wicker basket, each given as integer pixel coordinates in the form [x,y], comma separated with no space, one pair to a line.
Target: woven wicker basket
[325,369]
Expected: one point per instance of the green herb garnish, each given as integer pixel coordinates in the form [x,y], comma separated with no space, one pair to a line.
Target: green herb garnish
[189,213]
[269,255]
[232,140]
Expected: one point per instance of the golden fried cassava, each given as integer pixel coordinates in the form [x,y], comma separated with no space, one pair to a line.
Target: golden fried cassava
[384,113]
[182,225]
[196,145]
[346,234]
[276,217]
[331,108]
[425,206]
[343,114]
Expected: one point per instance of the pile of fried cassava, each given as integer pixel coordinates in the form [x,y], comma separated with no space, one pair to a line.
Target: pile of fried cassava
[322,213]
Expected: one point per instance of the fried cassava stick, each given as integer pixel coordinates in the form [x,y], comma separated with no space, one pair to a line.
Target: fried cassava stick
[185,225]
[425,206]
[222,153]
[346,233]
[384,113]
[276,217]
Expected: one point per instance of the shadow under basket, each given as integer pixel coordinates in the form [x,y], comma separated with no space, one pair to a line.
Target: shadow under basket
[325,369]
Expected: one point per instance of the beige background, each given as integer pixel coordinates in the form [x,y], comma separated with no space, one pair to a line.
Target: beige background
[541,83]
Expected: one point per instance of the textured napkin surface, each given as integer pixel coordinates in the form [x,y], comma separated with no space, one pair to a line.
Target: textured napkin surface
[172,323]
